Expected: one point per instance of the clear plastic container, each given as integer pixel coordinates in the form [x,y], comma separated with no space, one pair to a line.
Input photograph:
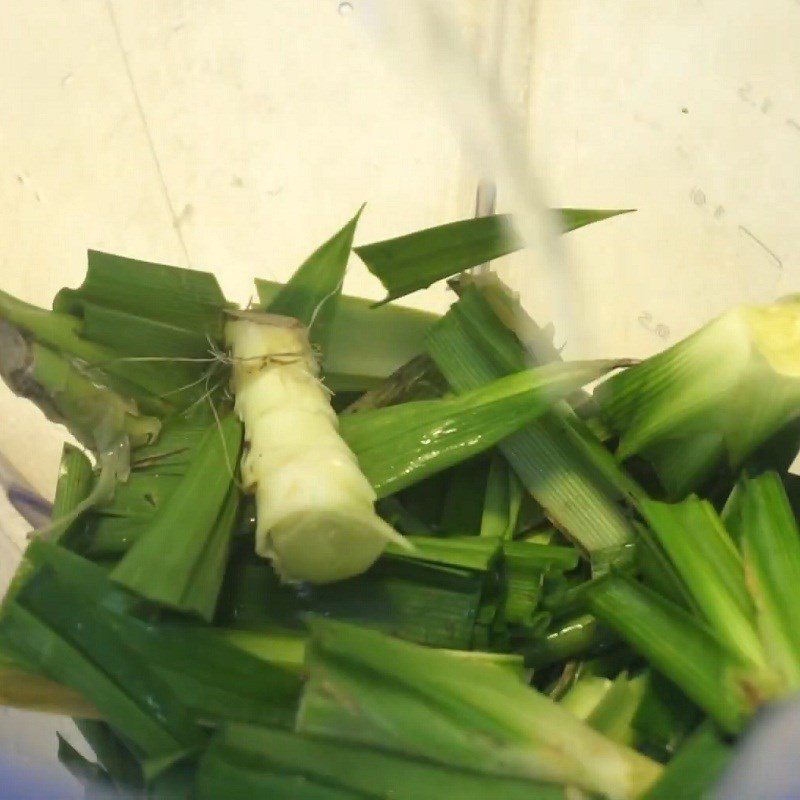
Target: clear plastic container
[235,137]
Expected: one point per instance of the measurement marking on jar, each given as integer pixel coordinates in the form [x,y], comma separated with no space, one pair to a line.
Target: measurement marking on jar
[698,197]
[764,104]
[645,319]
[763,246]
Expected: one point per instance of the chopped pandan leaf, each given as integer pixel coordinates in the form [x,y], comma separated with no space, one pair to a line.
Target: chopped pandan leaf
[423,602]
[585,695]
[571,481]
[664,718]
[401,519]
[213,677]
[368,688]
[658,572]
[464,499]
[283,647]
[90,775]
[76,491]
[252,595]
[711,567]
[770,543]
[524,566]
[74,487]
[142,310]
[21,686]
[113,755]
[74,642]
[523,588]
[416,260]
[75,479]
[157,469]
[503,500]
[175,783]
[574,218]
[467,552]
[24,325]
[189,299]
[179,560]
[691,775]
[311,294]
[243,760]
[576,637]
[541,556]
[427,603]
[512,662]
[365,345]
[679,646]
[713,398]
[417,379]
[401,445]
[613,716]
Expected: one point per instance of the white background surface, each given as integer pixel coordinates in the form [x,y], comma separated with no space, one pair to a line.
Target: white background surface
[235,136]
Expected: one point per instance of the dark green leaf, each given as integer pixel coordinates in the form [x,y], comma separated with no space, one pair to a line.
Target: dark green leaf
[179,560]
[467,552]
[400,445]
[665,717]
[692,773]
[365,345]
[216,679]
[419,259]
[676,644]
[365,771]
[771,549]
[112,753]
[464,500]
[310,295]
[185,298]
[551,460]
[502,501]
[75,478]
[427,603]
[86,772]
[421,702]
[75,642]
[707,561]
[577,637]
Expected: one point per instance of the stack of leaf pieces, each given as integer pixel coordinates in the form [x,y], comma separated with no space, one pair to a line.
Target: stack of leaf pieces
[578,616]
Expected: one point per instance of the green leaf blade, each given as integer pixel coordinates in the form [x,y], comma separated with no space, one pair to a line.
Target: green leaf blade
[179,559]
[365,771]
[415,261]
[187,298]
[704,555]
[75,643]
[400,445]
[311,294]
[365,345]
[675,643]
[476,715]
[572,481]
[771,548]
[695,769]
